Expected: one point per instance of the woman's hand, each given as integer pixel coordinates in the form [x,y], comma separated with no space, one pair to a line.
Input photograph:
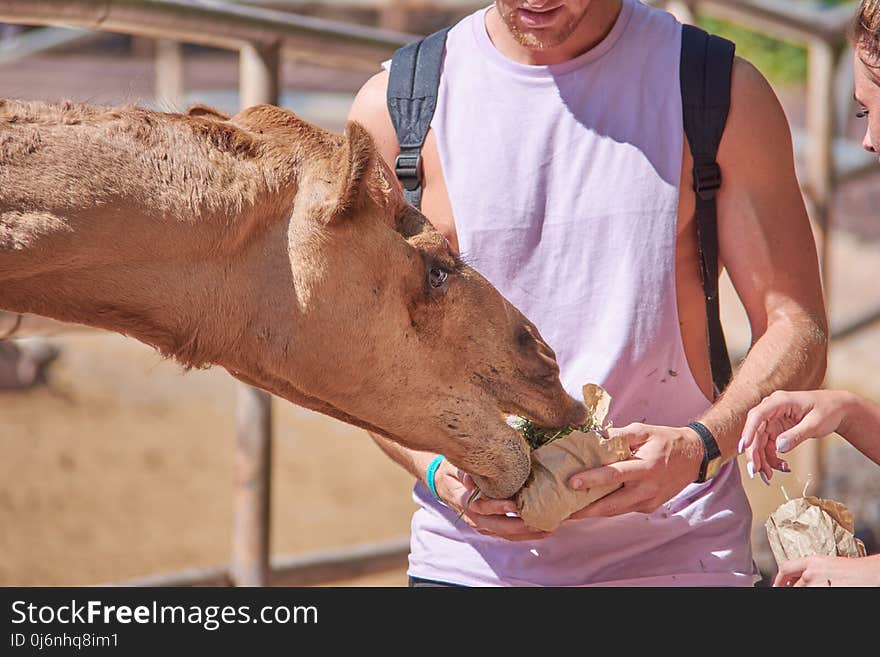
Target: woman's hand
[784,420]
[829,571]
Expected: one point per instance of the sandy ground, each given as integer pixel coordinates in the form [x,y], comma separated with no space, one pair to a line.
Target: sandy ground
[122,465]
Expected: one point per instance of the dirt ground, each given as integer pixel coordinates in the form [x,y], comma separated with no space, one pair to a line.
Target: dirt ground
[122,465]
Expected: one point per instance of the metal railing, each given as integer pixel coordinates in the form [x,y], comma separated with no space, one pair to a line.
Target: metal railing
[209,23]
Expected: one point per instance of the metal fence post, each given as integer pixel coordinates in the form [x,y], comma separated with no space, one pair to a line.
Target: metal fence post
[821,181]
[253,452]
[820,127]
[258,83]
[169,72]
[259,76]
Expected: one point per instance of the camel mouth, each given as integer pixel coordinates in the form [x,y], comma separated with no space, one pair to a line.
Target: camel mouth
[557,418]
[515,467]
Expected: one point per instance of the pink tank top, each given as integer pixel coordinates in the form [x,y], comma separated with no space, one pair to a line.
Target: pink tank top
[564,182]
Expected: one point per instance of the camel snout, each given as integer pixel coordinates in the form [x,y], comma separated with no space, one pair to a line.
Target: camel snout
[572,412]
[539,360]
[514,470]
[558,409]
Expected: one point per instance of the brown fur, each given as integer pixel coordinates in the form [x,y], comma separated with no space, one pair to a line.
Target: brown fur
[279,251]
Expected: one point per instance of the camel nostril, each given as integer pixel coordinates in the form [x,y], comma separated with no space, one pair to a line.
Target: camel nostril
[539,359]
[545,351]
[527,337]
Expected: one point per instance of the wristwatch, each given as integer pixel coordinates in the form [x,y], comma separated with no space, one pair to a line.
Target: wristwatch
[712,460]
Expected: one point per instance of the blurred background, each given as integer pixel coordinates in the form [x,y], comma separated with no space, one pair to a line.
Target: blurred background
[116,466]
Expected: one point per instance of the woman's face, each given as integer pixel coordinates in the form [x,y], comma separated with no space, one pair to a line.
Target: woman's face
[868,97]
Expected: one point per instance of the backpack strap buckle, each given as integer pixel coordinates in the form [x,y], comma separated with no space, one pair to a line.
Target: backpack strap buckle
[408,167]
[707,180]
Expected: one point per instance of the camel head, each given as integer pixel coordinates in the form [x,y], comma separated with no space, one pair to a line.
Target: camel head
[393,329]
[282,252]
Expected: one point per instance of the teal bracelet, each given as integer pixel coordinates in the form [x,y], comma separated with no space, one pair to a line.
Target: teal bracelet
[431,472]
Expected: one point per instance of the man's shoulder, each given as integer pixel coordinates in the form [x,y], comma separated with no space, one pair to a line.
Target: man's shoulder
[374,90]
[371,111]
[370,102]
[749,81]
[756,113]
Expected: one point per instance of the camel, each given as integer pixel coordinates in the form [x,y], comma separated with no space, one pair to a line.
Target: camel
[285,254]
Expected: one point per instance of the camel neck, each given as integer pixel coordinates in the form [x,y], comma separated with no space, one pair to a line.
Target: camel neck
[131,221]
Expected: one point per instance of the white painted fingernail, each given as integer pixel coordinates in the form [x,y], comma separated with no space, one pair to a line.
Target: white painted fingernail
[783,445]
[742,445]
[764,478]
[750,468]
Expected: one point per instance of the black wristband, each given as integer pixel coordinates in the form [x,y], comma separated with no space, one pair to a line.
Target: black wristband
[710,449]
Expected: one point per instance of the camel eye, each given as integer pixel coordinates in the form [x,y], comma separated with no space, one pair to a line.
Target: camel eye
[437,277]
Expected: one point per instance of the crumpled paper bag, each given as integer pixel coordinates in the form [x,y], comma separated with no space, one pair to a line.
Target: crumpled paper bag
[546,498]
[806,526]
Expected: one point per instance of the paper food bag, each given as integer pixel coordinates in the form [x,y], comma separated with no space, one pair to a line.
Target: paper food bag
[807,526]
[546,499]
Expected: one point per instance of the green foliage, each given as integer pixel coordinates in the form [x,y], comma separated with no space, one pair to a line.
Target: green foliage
[781,62]
[537,436]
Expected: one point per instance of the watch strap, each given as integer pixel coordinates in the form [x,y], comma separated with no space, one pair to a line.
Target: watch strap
[711,450]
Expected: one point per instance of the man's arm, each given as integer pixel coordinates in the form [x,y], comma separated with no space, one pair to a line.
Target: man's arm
[767,246]
[454,487]
[413,461]
[766,243]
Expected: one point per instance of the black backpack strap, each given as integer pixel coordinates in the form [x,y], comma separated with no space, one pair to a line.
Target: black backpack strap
[706,68]
[412,98]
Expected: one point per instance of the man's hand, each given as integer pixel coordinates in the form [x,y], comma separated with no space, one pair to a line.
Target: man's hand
[821,570]
[664,460]
[484,515]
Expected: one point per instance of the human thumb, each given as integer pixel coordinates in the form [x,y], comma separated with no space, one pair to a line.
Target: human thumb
[803,430]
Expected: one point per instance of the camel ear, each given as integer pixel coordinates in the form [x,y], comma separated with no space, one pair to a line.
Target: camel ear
[356,161]
[206,112]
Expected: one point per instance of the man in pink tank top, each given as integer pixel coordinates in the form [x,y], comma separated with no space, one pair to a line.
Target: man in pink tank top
[557,164]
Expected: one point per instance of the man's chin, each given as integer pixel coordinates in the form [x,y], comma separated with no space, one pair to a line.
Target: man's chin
[533,39]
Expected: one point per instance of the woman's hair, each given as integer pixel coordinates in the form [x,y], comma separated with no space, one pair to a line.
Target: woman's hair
[866,32]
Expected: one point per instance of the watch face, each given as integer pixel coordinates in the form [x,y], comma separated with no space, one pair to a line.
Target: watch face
[713,468]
